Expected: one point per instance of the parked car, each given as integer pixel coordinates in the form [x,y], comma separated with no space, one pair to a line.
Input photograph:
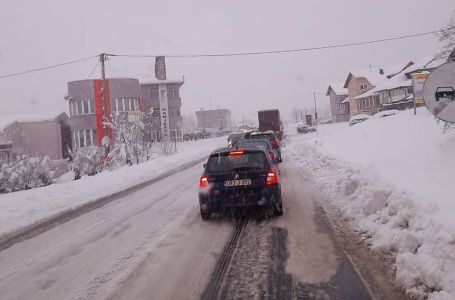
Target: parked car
[269,135]
[358,119]
[387,113]
[233,138]
[239,178]
[303,128]
[264,144]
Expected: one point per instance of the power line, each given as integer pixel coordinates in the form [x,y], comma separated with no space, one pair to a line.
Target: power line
[279,51]
[47,67]
[94,68]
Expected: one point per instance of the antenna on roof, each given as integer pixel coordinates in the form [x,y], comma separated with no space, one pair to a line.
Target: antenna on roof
[370,68]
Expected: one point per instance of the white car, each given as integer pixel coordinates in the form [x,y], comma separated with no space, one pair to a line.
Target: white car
[358,119]
[387,113]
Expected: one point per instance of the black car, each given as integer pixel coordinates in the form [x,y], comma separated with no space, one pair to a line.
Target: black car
[259,144]
[239,178]
[445,92]
[272,138]
[233,138]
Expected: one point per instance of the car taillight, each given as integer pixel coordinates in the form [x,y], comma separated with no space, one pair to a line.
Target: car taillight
[204,182]
[272,155]
[275,143]
[272,178]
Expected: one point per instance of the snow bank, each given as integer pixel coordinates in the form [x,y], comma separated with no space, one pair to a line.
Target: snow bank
[392,177]
[21,209]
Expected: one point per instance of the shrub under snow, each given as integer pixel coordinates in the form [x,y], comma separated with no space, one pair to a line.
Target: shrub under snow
[25,173]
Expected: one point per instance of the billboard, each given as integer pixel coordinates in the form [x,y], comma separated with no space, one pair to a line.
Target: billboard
[418,80]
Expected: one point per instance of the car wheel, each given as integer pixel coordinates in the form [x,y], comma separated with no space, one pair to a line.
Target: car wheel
[206,215]
[279,209]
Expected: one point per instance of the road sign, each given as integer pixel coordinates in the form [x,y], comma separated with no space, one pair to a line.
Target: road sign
[439,92]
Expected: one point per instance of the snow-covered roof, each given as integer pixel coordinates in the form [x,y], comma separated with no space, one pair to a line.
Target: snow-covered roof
[28,117]
[337,88]
[345,100]
[180,80]
[402,79]
[397,68]
[372,75]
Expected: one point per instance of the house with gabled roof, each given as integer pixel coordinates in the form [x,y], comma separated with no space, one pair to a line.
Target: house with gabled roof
[358,83]
[339,109]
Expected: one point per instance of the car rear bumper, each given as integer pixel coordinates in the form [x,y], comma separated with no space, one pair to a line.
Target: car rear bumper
[217,201]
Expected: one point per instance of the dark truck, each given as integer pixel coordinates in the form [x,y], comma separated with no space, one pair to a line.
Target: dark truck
[269,120]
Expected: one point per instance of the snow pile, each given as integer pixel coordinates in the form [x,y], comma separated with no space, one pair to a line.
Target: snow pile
[392,177]
[21,209]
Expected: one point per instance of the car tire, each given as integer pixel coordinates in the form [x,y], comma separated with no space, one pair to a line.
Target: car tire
[279,209]
[206,215]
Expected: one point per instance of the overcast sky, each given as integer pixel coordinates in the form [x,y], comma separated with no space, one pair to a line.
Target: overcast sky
[46,32]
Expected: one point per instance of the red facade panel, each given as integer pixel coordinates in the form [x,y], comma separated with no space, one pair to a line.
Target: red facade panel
[98,85]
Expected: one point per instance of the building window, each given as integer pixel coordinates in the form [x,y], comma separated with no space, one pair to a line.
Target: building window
[83,138]
[125,104]
[363,87]
[154,94]
[173,92]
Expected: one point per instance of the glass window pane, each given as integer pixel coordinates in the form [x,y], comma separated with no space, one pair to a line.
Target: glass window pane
[88,138]
[95,139]
[85,102]
[81,138]
[79,107]
[113,104]
[122,104]
[92,109]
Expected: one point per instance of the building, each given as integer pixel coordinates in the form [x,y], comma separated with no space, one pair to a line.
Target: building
[397,91]
[85,102]
[214,120]
[36,135]
[151,100]
[359,82]
[339,110]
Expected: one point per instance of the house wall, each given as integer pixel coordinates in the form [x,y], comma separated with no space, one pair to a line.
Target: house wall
[354,89]
[338,111]
[41,139]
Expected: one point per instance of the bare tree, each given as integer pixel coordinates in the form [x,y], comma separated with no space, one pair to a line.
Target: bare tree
[447,36]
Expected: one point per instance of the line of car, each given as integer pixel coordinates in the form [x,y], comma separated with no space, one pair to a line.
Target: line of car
[243,175]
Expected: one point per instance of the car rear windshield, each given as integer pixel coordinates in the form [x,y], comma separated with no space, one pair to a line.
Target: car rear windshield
[253,143]
[270,137]
[226,162]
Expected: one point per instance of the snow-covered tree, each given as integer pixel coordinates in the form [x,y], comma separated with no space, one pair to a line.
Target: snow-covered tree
[86,161]
[25,173]
[447,36]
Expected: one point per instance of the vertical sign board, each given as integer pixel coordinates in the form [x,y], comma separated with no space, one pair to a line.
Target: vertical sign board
[99,111]
[164,112]
[418,80]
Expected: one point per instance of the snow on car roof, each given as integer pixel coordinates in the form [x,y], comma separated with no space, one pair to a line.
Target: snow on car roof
[387,113]
[359,117]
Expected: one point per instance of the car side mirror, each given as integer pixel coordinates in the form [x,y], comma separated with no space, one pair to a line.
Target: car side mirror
[204,165]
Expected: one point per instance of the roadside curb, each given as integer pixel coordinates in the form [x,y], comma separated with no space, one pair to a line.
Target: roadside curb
[48,223]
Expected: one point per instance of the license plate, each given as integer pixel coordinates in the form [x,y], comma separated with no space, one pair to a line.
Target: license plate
[237,182]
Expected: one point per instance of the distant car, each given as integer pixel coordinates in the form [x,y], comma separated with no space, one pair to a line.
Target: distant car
[303,128]
[233,138]
[445,92]
[387,113]
[259,144]
[358,119]
[269,135]
[239,178]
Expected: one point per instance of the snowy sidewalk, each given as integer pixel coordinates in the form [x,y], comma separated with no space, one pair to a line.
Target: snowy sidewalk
[393,178]
[23,209]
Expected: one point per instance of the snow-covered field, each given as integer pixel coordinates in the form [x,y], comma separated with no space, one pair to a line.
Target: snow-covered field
[21,209]
[393,178]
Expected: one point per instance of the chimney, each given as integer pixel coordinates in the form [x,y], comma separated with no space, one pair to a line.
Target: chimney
[160,68]
[381,71]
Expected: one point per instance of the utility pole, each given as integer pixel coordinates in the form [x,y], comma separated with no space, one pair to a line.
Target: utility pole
[315,109]
[105,140]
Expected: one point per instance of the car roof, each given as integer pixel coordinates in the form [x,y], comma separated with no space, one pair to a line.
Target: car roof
[227,150]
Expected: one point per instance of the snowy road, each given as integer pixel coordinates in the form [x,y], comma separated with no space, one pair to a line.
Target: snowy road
[152,244]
